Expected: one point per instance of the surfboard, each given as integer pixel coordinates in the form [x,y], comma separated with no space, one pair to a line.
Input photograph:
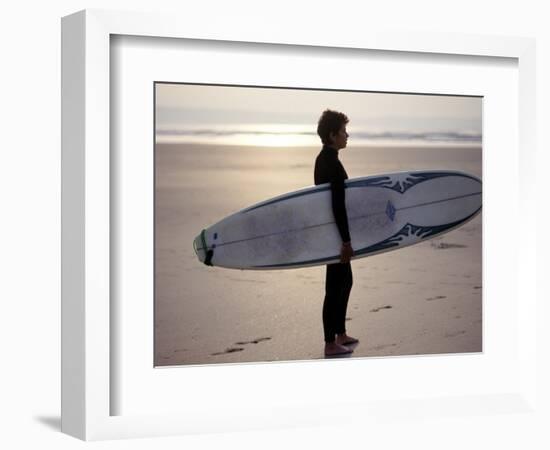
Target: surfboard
[385,212]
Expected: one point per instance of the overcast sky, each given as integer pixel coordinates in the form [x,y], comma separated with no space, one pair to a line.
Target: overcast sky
[179,105]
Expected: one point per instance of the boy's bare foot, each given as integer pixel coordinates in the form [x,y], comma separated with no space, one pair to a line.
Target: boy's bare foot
[333,349]
[344,339]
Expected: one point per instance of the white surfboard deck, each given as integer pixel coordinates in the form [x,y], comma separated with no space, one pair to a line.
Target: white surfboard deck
[385,212]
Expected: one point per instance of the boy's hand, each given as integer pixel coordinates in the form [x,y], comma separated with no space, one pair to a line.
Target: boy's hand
[346,252]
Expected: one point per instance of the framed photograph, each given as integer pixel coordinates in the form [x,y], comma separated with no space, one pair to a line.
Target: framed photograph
[168,130]
[220,149]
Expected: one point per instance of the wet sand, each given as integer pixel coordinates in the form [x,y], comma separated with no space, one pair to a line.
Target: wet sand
[425,299]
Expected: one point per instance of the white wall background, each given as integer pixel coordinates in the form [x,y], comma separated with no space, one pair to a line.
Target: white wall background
[30,222]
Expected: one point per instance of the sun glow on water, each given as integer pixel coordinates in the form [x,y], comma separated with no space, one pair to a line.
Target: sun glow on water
[296,135]
[262,135]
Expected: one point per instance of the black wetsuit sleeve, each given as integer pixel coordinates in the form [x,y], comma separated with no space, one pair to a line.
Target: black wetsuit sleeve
[338,189]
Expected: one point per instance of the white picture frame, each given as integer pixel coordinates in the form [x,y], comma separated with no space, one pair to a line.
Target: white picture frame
[87,383]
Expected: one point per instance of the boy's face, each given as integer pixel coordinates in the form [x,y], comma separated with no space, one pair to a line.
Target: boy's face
[340,139]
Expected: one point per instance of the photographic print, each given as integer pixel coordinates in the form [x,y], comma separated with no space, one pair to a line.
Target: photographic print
[301,224]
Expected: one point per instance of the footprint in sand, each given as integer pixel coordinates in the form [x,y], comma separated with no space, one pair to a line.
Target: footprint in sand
[229,350]
[456,333]
[446,245]
[254,341]
[381,307]
[477,287]
[438,297]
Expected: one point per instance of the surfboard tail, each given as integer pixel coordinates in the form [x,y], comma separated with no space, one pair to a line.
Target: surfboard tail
[197,247]
[204,254]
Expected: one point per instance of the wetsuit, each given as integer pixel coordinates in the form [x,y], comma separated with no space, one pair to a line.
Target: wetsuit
[339,279]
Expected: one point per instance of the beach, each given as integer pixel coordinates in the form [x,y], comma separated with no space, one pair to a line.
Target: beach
[424,299]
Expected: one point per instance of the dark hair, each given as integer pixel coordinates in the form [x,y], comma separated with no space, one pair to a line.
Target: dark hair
[330,122]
